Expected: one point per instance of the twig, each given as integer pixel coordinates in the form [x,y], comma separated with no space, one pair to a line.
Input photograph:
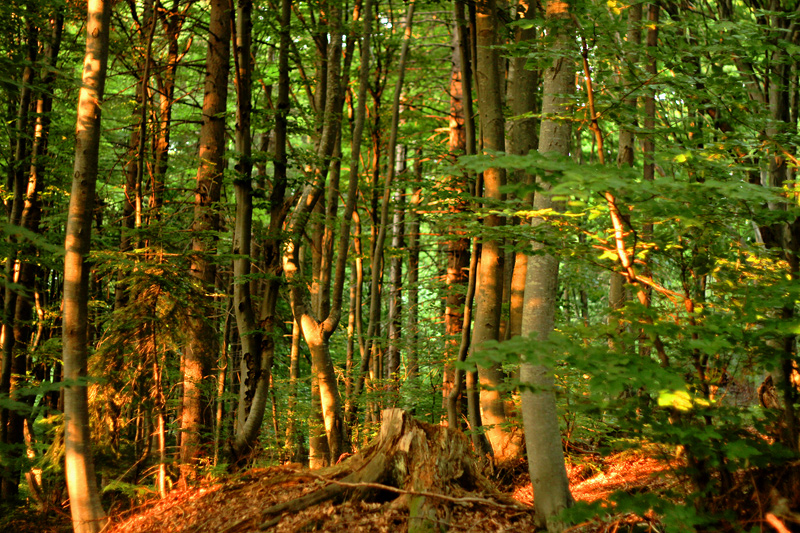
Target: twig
[775,522]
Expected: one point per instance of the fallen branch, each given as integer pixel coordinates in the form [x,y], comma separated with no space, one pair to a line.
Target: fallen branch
[465,500]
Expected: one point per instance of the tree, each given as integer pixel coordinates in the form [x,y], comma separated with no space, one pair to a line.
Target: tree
[203,343]
[542,435]
[87,513]
[489,296]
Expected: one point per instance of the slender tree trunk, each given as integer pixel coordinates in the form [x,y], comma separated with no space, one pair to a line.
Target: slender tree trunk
[254,386]
[14,358]
[625,154]
[317,332]
[377,256]
[172,20]
[523,138]
[294,439]
[87,513]
[414,246]
[542,436]
[202,347]
[491,269]
[456,249]
[396,277]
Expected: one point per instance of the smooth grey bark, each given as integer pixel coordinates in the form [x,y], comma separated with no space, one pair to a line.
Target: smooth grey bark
[87,512]
[413,232]
[542,435]
[396,276]
[523,138]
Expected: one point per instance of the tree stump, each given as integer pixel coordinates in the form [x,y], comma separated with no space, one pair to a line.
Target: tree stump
[423,463]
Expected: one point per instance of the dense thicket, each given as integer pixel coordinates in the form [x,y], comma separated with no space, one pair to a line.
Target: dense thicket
[581,215]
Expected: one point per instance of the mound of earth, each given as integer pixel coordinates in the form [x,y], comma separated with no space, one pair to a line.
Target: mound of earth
[414,477]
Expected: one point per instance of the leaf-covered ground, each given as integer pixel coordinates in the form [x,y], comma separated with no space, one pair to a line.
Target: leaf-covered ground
[234,504]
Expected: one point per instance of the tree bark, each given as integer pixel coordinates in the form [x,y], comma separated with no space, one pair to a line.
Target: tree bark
[14,360]
[396,277]
[457,248]
[202,347]
[253,393]
[523,138]
[315,331]
[542,436]
[489,296]
[87,513]
[377,256]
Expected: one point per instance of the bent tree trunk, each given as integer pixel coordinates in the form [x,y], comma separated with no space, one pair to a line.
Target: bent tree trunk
[87,512]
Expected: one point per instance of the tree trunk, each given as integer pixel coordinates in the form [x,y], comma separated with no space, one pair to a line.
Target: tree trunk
[14,357]
[542,436]
[201,350]
[87,513]
[396,277]
[457,248]
[172,20]
[523,138]
[317,332]
[414,246]
[491,269]
[380,239]
[253,393]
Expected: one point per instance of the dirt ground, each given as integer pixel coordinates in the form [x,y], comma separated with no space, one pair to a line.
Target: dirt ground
[235,504]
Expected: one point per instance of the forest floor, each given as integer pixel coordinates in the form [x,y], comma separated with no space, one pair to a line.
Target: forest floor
[234,504]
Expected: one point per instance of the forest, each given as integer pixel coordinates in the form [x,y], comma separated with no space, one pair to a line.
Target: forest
[361,265]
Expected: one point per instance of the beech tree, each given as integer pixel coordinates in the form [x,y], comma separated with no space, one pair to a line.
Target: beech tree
[542,436]
[598,243]
[203,341]
[87,512]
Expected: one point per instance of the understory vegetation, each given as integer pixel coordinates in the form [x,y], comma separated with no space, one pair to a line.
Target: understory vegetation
[566,232]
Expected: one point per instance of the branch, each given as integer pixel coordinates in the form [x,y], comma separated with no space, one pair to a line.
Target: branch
[461,501]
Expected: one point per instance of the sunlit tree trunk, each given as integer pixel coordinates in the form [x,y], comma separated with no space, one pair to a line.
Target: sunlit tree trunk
[172,20]
[491,269]
[542,436]
[201,350]
[456,248]
[317,331]
[87,513]
[523,138]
